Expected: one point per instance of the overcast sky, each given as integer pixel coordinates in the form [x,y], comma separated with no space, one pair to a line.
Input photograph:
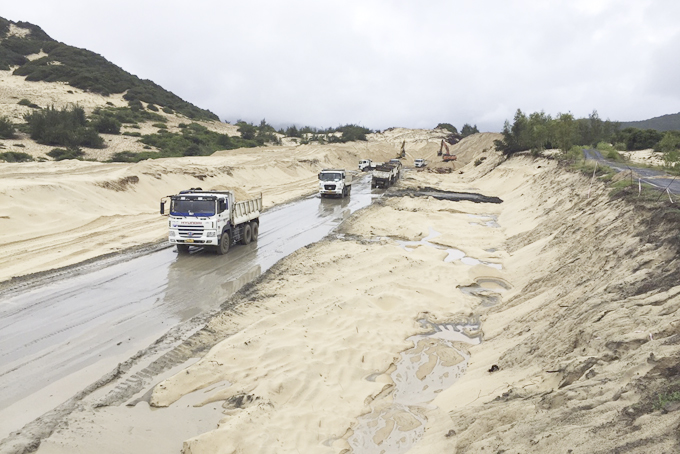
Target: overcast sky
[384,63]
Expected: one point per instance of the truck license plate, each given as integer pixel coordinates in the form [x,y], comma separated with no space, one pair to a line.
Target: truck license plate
[188,241]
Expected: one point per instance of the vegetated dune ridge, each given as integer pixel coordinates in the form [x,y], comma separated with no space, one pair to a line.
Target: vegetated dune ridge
[54,214]
[580,333]
[61,95]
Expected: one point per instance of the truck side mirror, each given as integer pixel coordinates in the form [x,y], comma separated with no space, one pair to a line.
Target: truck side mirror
[162,207]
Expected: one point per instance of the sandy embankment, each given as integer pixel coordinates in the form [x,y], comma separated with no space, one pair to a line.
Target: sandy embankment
[578,329]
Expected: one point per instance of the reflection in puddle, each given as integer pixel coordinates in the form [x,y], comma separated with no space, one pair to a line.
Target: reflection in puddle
[488,289]
[454,254]
[436,361]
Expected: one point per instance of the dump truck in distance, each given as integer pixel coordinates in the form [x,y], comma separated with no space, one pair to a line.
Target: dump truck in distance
[335,182]
[211,219]
[385,175]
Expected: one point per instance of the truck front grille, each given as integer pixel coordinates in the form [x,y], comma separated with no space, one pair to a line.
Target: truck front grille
[191,232]
[329,187]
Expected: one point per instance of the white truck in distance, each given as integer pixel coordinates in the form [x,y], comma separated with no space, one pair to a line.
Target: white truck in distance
[212,219]
[365,164]
[334,182]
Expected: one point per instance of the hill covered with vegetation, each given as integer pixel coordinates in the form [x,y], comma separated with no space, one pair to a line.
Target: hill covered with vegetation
[81,68]
[670,122]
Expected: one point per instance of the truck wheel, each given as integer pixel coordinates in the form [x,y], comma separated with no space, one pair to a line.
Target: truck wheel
[182,248]
[246,234]
[225,242]
[254,230]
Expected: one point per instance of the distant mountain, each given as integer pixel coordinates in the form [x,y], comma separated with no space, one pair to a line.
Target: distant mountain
[53,61]
[670,122]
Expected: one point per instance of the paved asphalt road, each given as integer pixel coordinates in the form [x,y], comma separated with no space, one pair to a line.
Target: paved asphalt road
[656,178]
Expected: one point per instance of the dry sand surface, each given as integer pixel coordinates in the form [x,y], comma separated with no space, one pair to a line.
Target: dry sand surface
[578,329]
[648,157]
[545,323]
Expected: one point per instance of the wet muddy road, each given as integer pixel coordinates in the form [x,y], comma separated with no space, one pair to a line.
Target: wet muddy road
[60,337]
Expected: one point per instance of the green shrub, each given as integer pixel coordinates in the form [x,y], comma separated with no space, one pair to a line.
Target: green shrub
[193,140]
[107,125]
[28,103]
[292,131]
[16,156]
[447,126]
[604,146]
[7,129]
[126,115]
[669,142]
[152,107]
[159,126]
[22,46]
[4,27]
[575,153]
[468,130]
[613,155]
[59,154]
[478,161]
[130,156]
[168,110]
[665,398]
[351,133]
[65,127]
[638,139]
[247,130]
[10,58]
[135,104]
[132,133]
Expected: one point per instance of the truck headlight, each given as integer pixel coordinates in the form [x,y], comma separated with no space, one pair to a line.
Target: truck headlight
[210,234]
[172,233]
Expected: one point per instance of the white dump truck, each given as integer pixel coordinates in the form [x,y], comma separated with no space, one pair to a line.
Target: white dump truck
[212,219]
[335,182]
[365,165]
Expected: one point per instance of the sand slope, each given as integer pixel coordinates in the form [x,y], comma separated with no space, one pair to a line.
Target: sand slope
[578,322]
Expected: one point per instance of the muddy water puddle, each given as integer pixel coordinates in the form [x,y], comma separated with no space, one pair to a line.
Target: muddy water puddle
[453,254]
[487,220]
[398,418]
[488,289]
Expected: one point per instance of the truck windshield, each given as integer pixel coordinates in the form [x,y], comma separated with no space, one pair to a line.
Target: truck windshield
[192,207]
[330,176]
